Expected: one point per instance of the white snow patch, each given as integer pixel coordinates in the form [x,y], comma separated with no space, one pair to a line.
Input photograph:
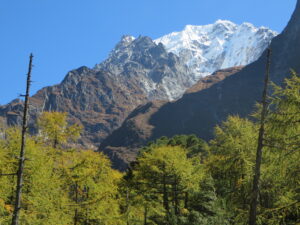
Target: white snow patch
[223,44]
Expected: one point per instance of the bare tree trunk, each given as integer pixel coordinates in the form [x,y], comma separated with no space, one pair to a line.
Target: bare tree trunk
[15,218]
[260,145]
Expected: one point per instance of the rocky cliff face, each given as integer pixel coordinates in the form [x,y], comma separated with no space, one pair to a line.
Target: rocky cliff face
[161,75]
[101,98]
[199,111]
[91,99]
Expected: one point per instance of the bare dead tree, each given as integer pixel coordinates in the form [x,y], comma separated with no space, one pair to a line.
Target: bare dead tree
[260,145]
[20,172]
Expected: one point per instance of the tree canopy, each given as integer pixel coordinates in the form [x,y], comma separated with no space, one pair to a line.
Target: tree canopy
[174,181]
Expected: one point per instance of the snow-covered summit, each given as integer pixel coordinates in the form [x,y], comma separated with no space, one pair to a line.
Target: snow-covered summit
[223,44]
[167,67]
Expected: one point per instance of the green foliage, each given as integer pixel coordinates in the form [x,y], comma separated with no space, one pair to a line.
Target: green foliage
[170,179]
[50,176]
[54,128]
[232,159]
[165,174]
[281,194]
[194,145]
[42,199]
[175,181]
[92,186]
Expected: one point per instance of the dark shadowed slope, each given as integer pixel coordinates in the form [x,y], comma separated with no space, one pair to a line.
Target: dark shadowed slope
[123,144]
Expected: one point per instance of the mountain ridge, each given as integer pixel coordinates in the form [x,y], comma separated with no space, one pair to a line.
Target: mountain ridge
[137,70]
[221,45]
[235,95]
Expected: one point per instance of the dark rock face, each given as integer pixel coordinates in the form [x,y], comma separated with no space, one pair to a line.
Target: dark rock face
[101,98]
[198,111]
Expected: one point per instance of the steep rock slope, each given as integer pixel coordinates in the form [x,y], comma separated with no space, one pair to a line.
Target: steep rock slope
[101,98]
[161,75]
[198,112]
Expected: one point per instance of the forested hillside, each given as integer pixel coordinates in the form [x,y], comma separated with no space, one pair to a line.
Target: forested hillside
[176,181]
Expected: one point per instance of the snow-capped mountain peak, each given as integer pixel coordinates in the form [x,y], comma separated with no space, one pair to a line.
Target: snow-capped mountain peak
[166,67]
[223,44]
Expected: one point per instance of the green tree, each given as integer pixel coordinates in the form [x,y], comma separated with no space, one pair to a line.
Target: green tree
[92,186]
[42,200]
[281,196]
[166,174]
[54,128]
[194,145]
[231,159]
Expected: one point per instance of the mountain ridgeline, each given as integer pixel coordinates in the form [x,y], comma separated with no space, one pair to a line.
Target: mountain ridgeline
[198,112]
[139,70]
[218,46]
[99,99]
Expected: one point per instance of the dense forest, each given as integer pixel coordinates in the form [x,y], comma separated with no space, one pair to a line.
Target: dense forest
[174,181]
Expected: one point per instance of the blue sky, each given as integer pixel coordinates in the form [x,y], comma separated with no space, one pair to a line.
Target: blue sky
[66,34]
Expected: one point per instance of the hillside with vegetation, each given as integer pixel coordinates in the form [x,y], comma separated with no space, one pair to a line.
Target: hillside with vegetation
[181,180]
[138,140]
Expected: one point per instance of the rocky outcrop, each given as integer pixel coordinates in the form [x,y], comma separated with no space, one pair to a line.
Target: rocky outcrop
[141,62]
[101,98]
